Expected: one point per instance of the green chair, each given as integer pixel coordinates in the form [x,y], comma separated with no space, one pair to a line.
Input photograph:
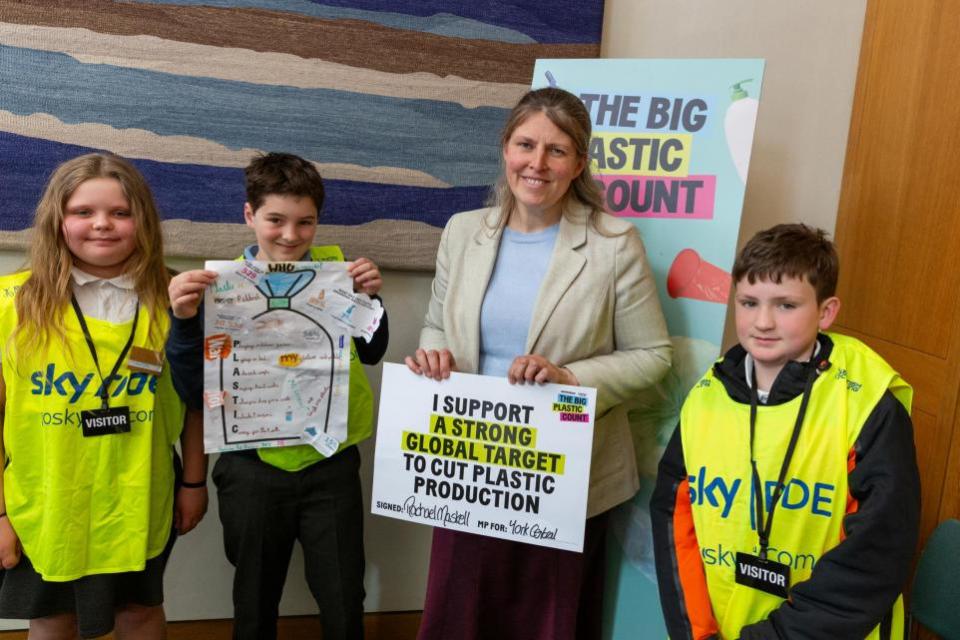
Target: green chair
[935,600]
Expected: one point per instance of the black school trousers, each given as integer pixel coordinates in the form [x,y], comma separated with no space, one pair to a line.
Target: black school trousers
[263,509]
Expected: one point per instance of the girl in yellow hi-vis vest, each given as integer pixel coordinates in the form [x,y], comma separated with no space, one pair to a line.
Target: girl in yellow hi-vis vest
[89,414]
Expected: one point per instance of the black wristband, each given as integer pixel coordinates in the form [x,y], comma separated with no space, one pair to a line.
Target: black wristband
[3,514]
[194,485]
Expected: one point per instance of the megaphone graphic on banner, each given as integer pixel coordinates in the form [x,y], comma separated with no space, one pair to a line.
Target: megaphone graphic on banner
[692,277]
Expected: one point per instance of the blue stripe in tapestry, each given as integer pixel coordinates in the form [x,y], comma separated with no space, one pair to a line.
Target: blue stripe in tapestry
[559,21]
[215,194]
[444,24]
[455,144]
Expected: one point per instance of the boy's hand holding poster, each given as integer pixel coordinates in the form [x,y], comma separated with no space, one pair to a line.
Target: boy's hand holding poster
[277,353]
[478,454]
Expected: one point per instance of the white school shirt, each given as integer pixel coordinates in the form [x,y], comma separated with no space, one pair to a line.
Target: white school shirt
[110,299]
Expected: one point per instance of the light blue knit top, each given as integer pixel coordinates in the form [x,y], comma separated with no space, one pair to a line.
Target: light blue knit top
[507,309]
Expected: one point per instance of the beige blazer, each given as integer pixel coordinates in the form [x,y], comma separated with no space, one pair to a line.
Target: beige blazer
[597,313]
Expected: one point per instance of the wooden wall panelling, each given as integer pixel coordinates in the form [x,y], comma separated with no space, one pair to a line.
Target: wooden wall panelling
[898,229]
[945,66]
[900,184]
[950,494]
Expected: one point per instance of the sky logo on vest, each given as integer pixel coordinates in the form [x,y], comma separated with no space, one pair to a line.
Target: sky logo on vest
[721,493]
[720,555]
[67,384]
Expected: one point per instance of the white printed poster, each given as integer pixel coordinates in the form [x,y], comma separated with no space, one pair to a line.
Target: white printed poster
[475,453]
[277,353]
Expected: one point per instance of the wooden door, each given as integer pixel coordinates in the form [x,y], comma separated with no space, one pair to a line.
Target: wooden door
[898,228]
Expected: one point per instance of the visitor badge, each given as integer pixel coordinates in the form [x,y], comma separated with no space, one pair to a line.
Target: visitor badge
[321,441]
[145,361]
[101,422]
[764,575]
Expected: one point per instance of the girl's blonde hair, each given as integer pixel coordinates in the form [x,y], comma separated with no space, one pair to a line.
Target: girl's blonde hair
[568,114]
[45,295]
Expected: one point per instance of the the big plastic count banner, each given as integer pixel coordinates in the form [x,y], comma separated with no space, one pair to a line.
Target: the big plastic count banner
[671,148]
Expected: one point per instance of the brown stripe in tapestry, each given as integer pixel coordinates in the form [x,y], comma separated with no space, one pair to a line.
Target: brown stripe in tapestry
[351,42]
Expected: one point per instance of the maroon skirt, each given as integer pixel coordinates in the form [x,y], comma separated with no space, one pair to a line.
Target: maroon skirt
[483,588]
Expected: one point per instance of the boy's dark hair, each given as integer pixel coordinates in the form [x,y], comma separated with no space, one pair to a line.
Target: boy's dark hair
[282,174]
[792,251]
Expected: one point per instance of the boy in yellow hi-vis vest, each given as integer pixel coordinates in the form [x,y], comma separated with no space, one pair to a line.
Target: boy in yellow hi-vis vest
[271,497]
[788,500]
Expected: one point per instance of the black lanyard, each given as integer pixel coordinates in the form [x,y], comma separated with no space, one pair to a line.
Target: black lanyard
[104,392]
[763,528]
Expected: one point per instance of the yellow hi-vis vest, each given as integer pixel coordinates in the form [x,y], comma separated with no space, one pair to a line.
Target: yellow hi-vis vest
[809,517]
[360,401]
[84,506]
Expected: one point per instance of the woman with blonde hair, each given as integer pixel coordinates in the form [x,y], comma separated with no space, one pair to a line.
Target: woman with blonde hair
[543,286]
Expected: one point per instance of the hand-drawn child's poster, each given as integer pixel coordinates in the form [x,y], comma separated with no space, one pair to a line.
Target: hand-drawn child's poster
[475,453]
[277,353]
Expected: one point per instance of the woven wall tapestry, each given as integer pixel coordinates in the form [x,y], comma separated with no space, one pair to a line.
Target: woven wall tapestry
[398,102]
